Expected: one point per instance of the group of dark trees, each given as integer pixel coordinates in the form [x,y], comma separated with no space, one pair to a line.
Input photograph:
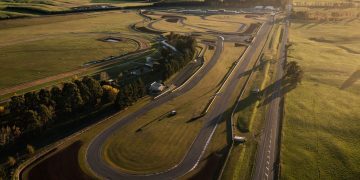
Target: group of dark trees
[132,90]
[172,61]
[293,72]
[34,111]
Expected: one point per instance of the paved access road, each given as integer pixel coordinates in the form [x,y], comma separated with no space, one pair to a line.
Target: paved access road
[267,154]
[211,119]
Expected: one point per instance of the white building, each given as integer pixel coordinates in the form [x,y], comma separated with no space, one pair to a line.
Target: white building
[239,139]
[156,87]
[169,46]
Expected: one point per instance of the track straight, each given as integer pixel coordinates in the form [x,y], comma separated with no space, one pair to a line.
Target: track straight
[267,154]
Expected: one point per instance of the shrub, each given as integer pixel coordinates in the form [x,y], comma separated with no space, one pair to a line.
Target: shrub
[2,110]
[11,161]
[30,149]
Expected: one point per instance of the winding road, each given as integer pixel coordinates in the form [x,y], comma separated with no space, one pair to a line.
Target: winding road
[211,119]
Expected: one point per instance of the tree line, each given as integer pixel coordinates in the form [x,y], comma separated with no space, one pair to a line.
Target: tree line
[171,62]
[34,111]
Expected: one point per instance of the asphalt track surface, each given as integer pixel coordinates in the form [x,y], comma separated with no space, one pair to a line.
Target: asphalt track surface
[267,154]
[211,119]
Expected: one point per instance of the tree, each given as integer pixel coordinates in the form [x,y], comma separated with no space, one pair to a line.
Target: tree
[56,97]
[84,91]
[94,88]
[11,161]
[31,100]
[129,94]
[30,149]
[45,97]
[122,101]
[2,173]
[134,89]
[109,94]
[141,88]
[294,72]
[17,104]
[45,114]
[71,98]
[2,110]
[31,120]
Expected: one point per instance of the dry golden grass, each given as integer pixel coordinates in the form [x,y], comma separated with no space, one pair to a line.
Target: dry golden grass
[45,46]
[321,125]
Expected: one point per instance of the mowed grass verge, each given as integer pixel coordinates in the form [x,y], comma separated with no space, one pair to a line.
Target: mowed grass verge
[164,141]
[320,138]
[46,46]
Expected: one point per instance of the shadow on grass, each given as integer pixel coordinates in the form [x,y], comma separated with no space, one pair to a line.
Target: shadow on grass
[271,92]
[351,80]
[159,118]
[62,165]
[277,89]
[212,165]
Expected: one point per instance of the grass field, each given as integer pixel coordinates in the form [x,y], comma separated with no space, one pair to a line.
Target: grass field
[41,47]
[320,138]
[163,142]
[40,7]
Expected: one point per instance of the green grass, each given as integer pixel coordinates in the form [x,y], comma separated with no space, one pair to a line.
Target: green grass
[42,47]
[321,125]
[163,143]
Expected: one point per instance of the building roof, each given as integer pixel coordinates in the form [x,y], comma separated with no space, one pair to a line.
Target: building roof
[155,86]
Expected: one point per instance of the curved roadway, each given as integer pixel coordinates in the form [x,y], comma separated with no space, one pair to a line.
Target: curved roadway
[194,154]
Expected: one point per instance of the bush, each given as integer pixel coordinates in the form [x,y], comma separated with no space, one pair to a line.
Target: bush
[2,110]
[11,161]
[109,94]
[30,149]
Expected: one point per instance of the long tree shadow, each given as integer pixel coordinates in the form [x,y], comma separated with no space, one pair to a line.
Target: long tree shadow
[277,89]
[315,24]
[159,118]
[255,68]
[351,80]
[213,164]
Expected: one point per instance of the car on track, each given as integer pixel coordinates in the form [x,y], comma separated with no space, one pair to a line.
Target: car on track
[172,113]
